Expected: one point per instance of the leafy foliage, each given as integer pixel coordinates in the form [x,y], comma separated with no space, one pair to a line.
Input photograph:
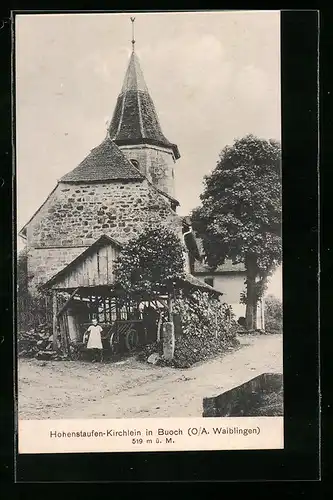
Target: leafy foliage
[201,315]
[206,330]
[22,271]
[32,309]
[240,215]
[273,314]
[150,261]
[192,349]
[241,205]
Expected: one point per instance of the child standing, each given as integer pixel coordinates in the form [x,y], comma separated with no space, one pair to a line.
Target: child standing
[94,340]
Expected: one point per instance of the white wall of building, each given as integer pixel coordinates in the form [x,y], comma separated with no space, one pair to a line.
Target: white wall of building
[232,285]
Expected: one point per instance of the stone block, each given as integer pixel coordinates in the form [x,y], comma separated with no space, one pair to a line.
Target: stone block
[153,358]
[168,335]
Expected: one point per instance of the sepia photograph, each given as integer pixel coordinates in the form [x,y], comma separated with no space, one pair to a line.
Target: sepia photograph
[149,229]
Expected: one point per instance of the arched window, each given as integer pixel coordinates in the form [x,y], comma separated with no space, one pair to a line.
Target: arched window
[135,163]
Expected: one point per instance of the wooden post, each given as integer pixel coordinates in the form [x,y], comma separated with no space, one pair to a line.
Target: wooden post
[97,303]
[170,307]
[66,336]
[64,307]
[54,320]
[262,303]
[159,324]
[62,324]
[108,301]
[104,309]
[90,308]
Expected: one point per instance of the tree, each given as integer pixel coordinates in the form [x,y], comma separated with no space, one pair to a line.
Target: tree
[240,214]
[149,261]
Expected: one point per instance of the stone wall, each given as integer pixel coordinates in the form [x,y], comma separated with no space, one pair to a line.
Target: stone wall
[156,163]
[78,214]
[43,263]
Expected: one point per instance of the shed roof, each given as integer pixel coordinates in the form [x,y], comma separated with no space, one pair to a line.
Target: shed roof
[104,239]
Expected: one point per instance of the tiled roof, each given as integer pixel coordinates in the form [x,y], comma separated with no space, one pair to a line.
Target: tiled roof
[228,266]
[135,120]
[105,162]
[197,283]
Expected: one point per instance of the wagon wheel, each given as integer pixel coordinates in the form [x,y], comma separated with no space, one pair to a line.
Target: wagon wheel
[131,339]
[75,355]
[114,342]
[75,352]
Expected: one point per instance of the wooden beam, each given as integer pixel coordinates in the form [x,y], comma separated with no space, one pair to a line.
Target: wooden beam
[159,325]
[90,307]
[67,338]
[54,320]
[162,303]
[62,324]
[64,307]
[104,310]
[117,310]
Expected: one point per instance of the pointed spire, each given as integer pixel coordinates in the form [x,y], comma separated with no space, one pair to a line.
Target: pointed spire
[135,120]
[134,79]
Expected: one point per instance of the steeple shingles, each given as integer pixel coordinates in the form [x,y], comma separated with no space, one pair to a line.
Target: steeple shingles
[134,79]
[135,119]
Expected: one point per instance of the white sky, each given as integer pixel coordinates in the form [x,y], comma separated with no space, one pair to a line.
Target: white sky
[213,77]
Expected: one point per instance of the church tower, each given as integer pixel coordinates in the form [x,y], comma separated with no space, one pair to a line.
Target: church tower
[136,129]
[123,186]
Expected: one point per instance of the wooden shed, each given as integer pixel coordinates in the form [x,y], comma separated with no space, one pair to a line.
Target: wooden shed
[93,268]
[86,288]
[88,283]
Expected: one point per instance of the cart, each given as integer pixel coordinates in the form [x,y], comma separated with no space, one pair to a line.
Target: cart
[125,335]
[119,337]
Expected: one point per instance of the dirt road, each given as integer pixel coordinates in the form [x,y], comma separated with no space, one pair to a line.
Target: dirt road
[127,389]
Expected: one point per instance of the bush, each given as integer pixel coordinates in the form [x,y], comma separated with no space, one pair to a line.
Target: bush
[193,349]
[202,315]
[149,349]
[33,310]
[206,332]
[273,315]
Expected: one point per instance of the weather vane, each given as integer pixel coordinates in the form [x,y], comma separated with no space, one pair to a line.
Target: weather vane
[133,39]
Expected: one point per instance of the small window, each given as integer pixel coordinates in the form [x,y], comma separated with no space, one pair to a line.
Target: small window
[209,281]
[135,163]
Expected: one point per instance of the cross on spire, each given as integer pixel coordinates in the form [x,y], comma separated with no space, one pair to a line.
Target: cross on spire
[133,39]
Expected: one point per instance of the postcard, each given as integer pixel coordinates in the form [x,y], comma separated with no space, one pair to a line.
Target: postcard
[149,209]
